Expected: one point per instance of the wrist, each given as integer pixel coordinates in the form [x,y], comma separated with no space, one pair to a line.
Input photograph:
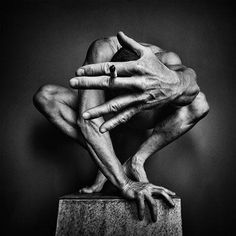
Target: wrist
[124,185]
[137,161]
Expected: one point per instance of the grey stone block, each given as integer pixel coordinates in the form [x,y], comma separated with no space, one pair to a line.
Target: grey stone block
[95,214]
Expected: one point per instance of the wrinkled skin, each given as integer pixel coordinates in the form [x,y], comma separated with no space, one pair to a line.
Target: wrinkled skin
[156,81]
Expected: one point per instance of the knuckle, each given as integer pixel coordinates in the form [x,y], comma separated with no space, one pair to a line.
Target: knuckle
[123,119]
[106,67]
[106,82]
[146,97]
[113,107]
[88,70]
[139,195]
[162,192]
[147,50]
[142,83]
[139,67]
[200,106]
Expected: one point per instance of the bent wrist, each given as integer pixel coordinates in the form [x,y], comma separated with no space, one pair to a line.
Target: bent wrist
[137,161]
[125,184]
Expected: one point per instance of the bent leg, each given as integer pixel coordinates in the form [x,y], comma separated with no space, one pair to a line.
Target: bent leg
[174,126]
[58,105]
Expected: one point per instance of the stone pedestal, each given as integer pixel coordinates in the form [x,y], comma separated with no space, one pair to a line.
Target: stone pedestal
[95,214]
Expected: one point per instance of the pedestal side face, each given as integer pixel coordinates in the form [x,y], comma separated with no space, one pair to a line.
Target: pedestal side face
[115,217]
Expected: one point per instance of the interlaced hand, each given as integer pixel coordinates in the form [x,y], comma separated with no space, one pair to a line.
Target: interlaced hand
[151,84]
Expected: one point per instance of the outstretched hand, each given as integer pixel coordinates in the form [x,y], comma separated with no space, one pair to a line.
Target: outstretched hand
[150,81]
[142,192]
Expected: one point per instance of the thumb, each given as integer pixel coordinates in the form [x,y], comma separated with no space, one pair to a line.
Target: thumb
[130,43]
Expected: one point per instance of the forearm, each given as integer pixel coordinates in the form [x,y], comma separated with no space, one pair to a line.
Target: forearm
[101,149]
[153,144]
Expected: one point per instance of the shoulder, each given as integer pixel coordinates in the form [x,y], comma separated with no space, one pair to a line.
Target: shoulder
[170,58]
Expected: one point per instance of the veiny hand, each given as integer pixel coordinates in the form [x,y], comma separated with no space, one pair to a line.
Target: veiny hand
[142,192]
[151,84]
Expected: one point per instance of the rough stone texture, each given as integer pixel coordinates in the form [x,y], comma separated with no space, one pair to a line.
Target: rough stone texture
[112,215]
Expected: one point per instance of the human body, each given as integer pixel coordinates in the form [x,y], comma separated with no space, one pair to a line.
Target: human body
[65,108]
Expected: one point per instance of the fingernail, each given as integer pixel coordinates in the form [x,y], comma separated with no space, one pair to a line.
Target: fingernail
[86,115]
[103,130]
[141,218]
[73,82]
[80,72]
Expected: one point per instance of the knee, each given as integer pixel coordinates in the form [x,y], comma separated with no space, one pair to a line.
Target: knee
[200,106]
[100,50]
[44,98]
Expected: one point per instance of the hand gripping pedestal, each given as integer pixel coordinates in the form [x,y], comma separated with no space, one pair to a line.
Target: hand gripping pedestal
[96,214]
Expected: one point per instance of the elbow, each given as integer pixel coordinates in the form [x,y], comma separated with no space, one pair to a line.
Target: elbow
[200,107]
[192,89]
[193,86]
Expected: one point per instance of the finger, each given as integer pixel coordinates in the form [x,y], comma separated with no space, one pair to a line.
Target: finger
[101,82]
[114,105]
[166,197]
[141,207]
[152,206]
[169,191]
[165,189]
[122,117]
[122,68]
[130,43]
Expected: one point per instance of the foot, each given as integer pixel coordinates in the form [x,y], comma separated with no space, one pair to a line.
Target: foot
[97,186]
[133,170]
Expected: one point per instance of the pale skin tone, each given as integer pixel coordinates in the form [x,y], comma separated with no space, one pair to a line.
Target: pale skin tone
[156,82]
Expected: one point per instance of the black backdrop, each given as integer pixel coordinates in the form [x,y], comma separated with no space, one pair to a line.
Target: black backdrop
[45,41]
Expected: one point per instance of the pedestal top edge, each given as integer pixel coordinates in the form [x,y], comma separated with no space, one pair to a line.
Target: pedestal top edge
[91,196]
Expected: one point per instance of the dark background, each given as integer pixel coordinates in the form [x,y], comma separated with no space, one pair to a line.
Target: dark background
[44,42]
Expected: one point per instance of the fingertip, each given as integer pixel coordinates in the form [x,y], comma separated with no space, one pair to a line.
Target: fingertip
[154,215]
[141,215]
[103,130]
[73,82]
[86,115]
[154,219]
[120,37]
[171,193]
[80,72]
[172,203]
[120,33]
[141,218]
